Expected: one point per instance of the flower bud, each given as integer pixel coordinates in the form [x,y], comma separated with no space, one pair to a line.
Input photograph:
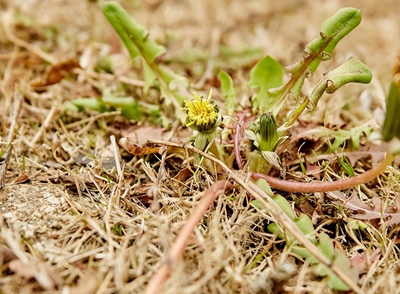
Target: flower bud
[268,132]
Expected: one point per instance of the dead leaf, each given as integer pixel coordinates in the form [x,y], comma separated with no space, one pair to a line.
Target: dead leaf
[136,149]
[183,174]
[57,73]
[376,209]
[143,134]
[146,149]
[87,284]
[22,178]
[363,262]
[6,255]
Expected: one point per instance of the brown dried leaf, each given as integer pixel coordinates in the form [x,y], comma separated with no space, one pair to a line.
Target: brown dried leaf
[57,73]
[146,148]
[136,149]
[22,178]
[183,175]
[143,134]
[377,209]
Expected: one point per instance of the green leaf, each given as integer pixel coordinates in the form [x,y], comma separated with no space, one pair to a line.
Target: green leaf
[274,229]
[228,91]
[342,262]
[391,127]
[129,107]
[266,74]
[149,77]
[92,103]
[333,30]
[134,36]
[263,185]
[305,224]
[258,204]
[285,206]
[344,162]
[352,71]
[326,245]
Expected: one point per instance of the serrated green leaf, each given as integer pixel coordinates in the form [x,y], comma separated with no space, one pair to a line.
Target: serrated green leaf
[352,71]
[341,136]
[228,91]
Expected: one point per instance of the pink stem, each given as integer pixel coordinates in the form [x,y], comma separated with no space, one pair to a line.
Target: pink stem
[179,245]
[300,187]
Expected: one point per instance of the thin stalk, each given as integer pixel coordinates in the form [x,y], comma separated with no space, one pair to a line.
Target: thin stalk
[299,187]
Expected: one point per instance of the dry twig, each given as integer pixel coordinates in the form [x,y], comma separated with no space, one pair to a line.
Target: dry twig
[10,137]
[179,245]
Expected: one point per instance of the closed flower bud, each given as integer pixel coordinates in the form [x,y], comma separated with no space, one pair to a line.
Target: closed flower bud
[268,132]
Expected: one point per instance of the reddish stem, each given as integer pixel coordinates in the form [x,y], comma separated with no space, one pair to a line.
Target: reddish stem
[300,187]
[179,245]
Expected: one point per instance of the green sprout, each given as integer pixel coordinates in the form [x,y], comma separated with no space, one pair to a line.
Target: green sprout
[140,46]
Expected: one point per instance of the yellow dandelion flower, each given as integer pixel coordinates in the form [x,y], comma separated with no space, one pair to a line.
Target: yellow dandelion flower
[202,114]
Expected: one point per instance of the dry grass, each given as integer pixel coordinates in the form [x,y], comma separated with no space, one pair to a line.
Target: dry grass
[70,223]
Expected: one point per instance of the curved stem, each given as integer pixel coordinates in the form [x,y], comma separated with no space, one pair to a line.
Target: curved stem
[299,187]
[179,245]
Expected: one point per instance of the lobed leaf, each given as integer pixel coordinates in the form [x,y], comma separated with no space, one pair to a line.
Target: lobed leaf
[352,71]
[333,30]
[134,36]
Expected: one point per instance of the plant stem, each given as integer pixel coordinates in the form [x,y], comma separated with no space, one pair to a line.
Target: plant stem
[299,187]
[180,243]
